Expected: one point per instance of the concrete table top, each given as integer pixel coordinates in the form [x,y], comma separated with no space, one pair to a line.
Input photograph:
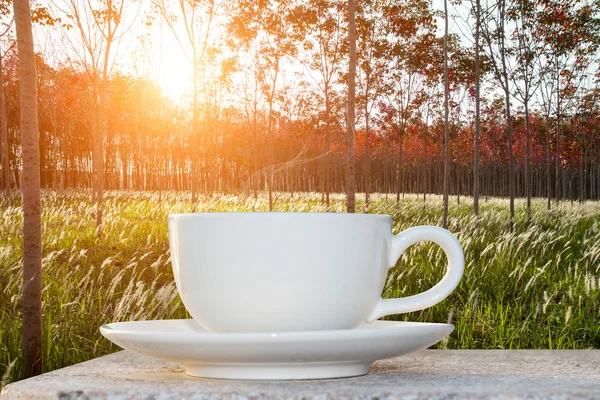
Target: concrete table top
[437,374]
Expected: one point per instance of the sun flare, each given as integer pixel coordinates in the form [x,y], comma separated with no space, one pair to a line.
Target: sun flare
[175,73]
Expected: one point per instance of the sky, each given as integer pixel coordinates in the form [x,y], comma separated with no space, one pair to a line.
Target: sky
[143,50]
[150,49]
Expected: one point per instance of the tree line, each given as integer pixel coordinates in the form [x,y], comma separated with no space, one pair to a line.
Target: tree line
[148,146]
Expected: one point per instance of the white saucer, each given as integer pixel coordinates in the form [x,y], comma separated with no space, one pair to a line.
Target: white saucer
[285,355]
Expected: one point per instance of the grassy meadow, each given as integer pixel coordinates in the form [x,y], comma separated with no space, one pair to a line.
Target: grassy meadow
[535,286]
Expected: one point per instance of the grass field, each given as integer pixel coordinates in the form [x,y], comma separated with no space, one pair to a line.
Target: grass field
[536,286]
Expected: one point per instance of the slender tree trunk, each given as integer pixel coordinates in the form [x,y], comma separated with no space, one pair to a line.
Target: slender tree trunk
[367,159]
[351,180]
[446,113]
[399,168]
[32,227]
[557,193]
[96,150]
[195,133]
[367,146]
[458,171]
[426,162]
[4,133]
[270,144]
[477,111]
[548,164]
[511,174]
[327,148]
[581,161]
[99,156]
[255,173]
[527,152]
[598,176]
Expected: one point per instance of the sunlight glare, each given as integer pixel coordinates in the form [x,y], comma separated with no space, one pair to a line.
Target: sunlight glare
[175,73]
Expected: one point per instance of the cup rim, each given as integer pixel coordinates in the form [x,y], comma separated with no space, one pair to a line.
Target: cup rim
[278,214]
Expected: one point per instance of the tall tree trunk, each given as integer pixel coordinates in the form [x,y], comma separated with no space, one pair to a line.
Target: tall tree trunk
[548,163]
[97,156]
[477,111]
[446,113]
[511,174]
[557,192]
[351,180]
[598,176]
[327,148]
[367,148]
[270,143]
[32,227]
[4,133]
[367,165]
[425,160]
[581,161]
[255,173]
[195,133]
[527,152]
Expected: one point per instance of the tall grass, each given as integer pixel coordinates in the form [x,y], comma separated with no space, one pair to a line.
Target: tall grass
[533,286]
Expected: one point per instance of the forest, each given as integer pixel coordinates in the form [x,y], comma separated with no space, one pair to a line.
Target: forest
[265,105]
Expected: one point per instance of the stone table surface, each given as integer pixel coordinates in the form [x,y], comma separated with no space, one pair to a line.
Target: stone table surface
[438,374]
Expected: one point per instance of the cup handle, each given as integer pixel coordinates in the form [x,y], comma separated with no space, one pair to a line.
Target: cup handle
[456,265]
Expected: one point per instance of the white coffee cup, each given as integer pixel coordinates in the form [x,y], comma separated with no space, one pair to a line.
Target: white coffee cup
[275,272]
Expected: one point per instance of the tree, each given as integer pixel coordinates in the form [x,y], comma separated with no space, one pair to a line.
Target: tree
[252,97]
[351,119]
[99,26]
[318,30]
[547,90]
[191,22]
[372,65]
[495,33]
[294,100]
[446,112]
[266,25]
[569,32]
[527,51]
[410,33]
[4,156]
[477,107]
[32,226]
[4,130]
